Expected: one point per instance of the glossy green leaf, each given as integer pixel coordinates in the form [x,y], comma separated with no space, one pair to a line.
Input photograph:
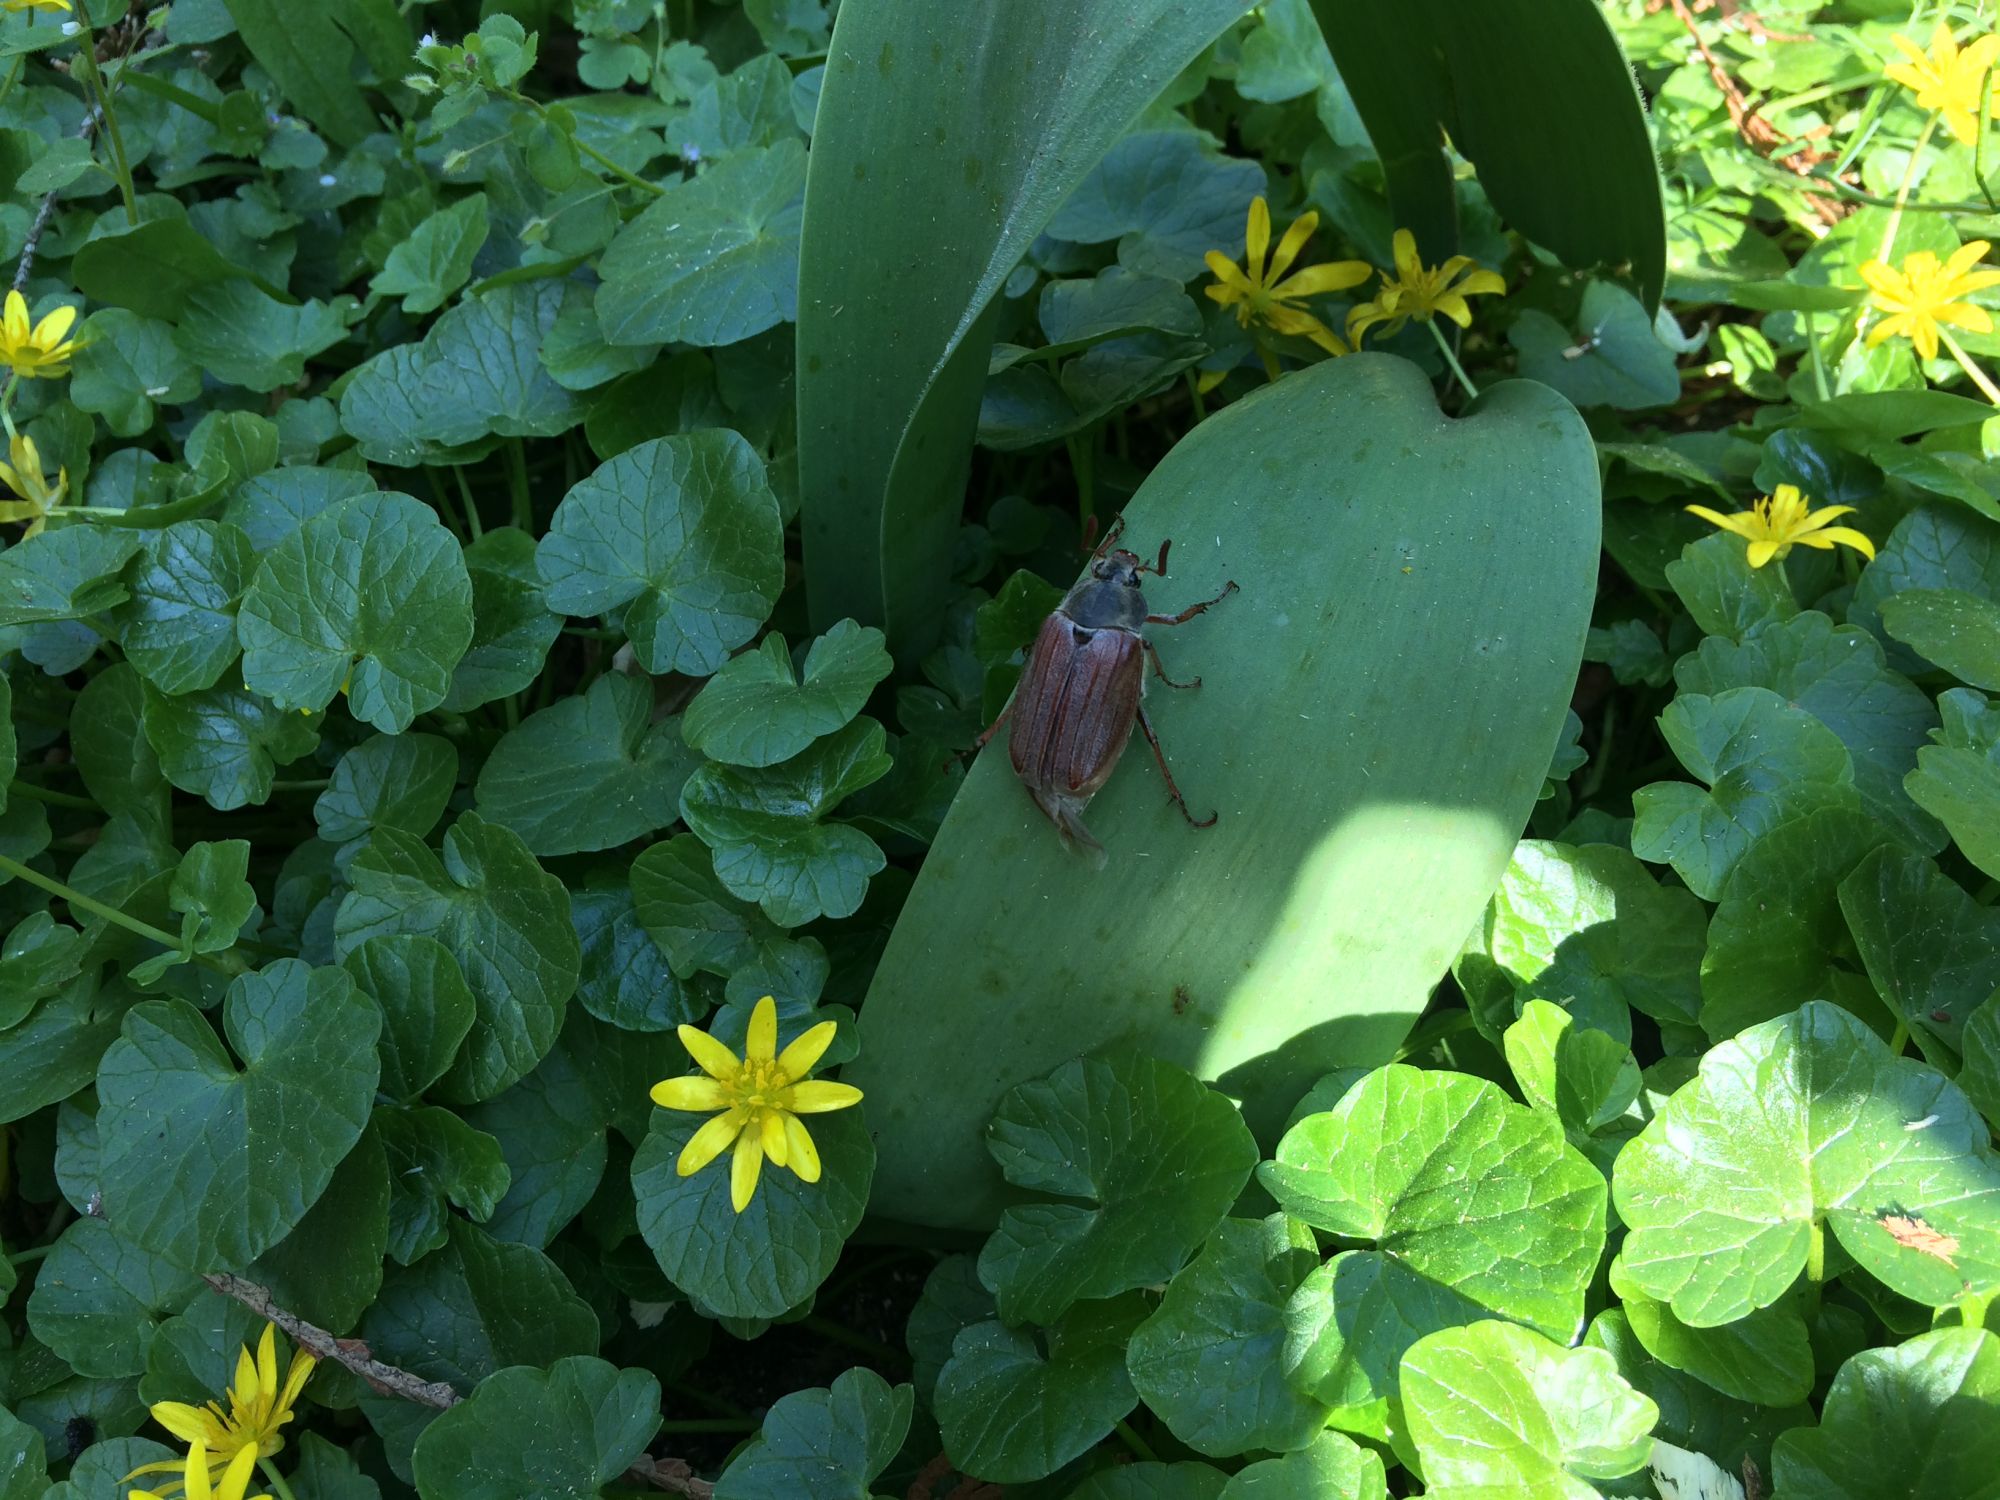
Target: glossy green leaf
[427,1007]
[208,1164]
[436,259]
[569,1430]
[1931,951]
[1957,780]
[1608,355]
[179,626]
[38,958]
[894,331]
[24,1473]
[1208,1361]
[1501,1413]
[128,363]
[1154,1481]
[682,534]
[498,913]
[329,1269]
[236,332]
[588,772]
[1333,1467]
[225,744]
[1723,594]
[311,60]
[1585,1076]
[435,1160]
[1980,1077]
[685,909]
[1764,1357]
[1797,1127]
[1167,199]
[758,711]
[1253,953]
[400,781]
[828,1443]
[1935,549]
[625,977]
[512,628]
[1915,1419]
[369,598]
[1958,631]
[99,1299]
[64,574]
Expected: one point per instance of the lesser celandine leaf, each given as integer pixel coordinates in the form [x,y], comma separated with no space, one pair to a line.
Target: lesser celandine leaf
[625,977]
[1724,595]
[512,628]
[400,781]
[370,598]
[1957,780]
[1333,1467]
[822,1444]
[225,744]
[24,1473]
[179,626]
[117,761]
[1802,1125]
[1208,1361]
[1916,1419]
[683,535]
[589,772]
[64,574]
[1018,1407]
[698,924]
[1500,1413]
[1931,951]
[569,1430]
[436,259]
[435,1159]
[1764,1357]
[757,711]
[504,918]
[209,1164]
[1154,1481]
[953,1299]
[1585,1076]
[427,1007]
[98,1299]
[1980,1077]
[329,1268]
[1958,631]
[1156,1155]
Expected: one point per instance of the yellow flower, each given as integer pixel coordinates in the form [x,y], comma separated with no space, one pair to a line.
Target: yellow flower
[41,349]
[25,478]
[1922,294]
[761,1098]
[1259,296]
[1418,291]
[1949,80]
[1771,525]
[54,7]
[235,1479]
[258,1407]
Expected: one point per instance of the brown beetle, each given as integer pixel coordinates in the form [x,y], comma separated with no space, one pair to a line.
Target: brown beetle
[1081,692]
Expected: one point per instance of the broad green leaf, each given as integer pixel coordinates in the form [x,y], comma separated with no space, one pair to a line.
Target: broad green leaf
[1253,952]
[99,1472]
[108,738]
[241,335]
[329,1268]
[1349,1323]
[1114,302]
[127,363]
[683,534]
[55,1052]
[400,781]
[64,574]
[1764,1357]
[1960,632]
[24,1473]
[1014,1407]
[1456,1183]
[435,1159]
[496,911]
[225,744]
[1980,1077]
[1208,1361]
[1838,675]
[269,507]
[208,1164]
[1501,1413]
[828,1443]
[1916,1419]
[589,772]
[99,1299]
[953,1299]
[214,900]
[1334,1467]
[770,831]
[1724,595]
[179,626]
[527,1433]
[685,909]
[1775,936]
[723,1260]
[712,260]
[1584,1076]
[512,628]
[1801,1125]
[1957,780]
[1931,951]
[37,959]
[756,711]
[312,62]
[1588,928]
[892,362]
[1148,1159]
[625,977]
[436,259]
[369,598]
[1935,549]
[1166,198]
[151,268]
[427,1008]
[1155,1481]
[1764,759]
[1608,355]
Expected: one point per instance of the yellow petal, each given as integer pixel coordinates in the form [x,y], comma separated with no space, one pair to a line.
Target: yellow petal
[14,324]
[1885,280]
[296,1377]
[711,1141]
[744,1167]
[1257,238]
[1762,552]
[804,1158]
[1226,271]
[771,1129]
[1847,536]
[714,1059]
[1738,523]
[806,1049]
[1293,242]
[1959,121]
[1404,244]
[1482,282]
[1965,315]
[1887,329]
[188,1423]
[243,1388]
[761,1044]
[1330,276]
[51,329]
[1816,519]
[1923,333]
[267,1362]
[1330,341]
[1453,306]
[694,1092]
[817,1096]
[235,1479]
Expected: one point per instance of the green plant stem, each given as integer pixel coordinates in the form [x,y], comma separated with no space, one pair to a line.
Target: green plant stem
[1816,1254]
[1818,363]
[591,151]
[1195,397]
[279,1489]
[1429,1033]
[87,55]
[13,75]
[1082,455]
[1444,347]
[227,963]
[28,1256]
[1139,1446]
[1965,362]
[471,505]
[1899,1038]
[711,1424]
[840,1333]
[1903,189]
[54,799]
[517,480]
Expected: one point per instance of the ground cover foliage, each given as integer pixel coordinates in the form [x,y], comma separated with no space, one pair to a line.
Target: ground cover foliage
[517,514]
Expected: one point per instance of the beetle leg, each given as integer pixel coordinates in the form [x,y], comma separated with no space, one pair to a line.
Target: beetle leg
[1117,530]
[993,728]
[1193,609]
[1161,672]
[1173,791]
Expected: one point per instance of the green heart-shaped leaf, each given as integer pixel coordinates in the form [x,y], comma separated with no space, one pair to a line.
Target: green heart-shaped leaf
[822,1444]
[569,1430]
[1335,1467]
[436,1159]
[225,744]
[400,781]
[179,626]
[1932,952]
[756,711]
[427,1007]
[1957,780]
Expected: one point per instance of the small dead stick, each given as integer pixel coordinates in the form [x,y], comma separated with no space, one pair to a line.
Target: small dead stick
[26,268]
[670,1474]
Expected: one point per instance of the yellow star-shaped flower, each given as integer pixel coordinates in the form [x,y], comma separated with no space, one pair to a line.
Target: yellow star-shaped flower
[1419,291]
[53,7]
[36,349]
[258,1407]
[233,1485]
[1923,293]
[1261,293]
[761,1096]
[1949,79]
[1772,524]
[24,476]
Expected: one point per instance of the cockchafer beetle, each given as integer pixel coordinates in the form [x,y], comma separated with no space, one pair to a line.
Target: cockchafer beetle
[1083,689]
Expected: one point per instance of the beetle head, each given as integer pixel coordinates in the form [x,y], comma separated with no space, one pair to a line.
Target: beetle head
[1120,567]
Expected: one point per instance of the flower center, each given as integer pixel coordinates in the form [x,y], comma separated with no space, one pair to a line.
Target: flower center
[762,1084]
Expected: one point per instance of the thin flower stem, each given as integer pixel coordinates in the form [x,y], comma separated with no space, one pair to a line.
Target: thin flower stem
[517,480]
[28,1256]
[88,56]
[1139,1446]
[472,525]
[1816,1253]
[1903,189]
[54,799]
[1195,397]
[81,902]
[1818,363]
[1899,1038]
[276,1480]
[1444,347]
[591,151]
[1978,376]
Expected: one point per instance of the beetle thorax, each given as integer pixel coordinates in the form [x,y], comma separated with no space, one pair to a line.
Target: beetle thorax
[1110,598]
